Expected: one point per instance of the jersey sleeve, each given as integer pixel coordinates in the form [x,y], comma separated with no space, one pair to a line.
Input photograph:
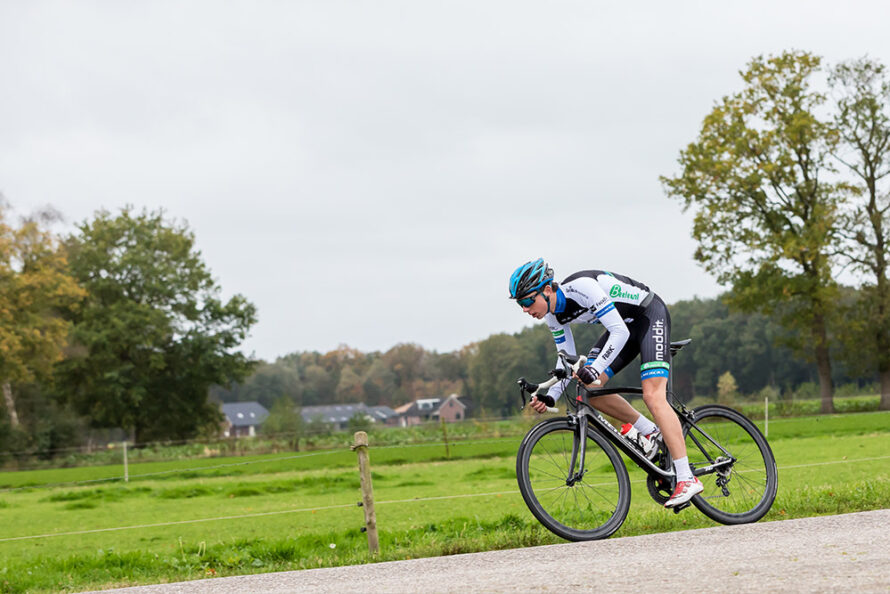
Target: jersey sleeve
[606,313]
[564,341]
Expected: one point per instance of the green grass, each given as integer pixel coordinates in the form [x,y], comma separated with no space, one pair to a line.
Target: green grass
[824,469]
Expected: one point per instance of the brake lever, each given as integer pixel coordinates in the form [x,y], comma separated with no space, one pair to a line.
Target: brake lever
[533,389]
[578,364]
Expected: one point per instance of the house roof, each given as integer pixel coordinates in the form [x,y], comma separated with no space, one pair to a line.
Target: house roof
[443,402]
[244,414]
[421,407]
[404,408]
[427,406]
[341,413]
[382,413]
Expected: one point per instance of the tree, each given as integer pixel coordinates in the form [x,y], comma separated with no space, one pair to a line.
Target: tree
[268,383]
[349,388]
[379,383]
[319,385]
[494,369]
[863,123]
[765,216]
[405,362]
[35,290]
[727,389]
[152,335]
[360,421]
[285,419]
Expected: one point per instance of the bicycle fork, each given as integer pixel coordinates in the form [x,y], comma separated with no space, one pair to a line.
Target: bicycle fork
[579,450]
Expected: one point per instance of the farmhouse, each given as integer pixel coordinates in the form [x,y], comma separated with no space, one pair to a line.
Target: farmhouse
[243,418]
[338,415]
[449,409]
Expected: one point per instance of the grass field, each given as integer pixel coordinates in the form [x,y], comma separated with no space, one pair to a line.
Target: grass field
[294,511]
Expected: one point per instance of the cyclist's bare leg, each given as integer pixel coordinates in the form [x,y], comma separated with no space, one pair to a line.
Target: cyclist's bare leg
[655,397]
[614,405]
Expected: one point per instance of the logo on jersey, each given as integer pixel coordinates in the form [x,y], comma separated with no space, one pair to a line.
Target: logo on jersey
[658,334]
[608,352]
[559,336]
[617,293]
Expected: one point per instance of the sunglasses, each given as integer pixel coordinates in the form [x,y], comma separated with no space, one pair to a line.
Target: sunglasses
[527,301]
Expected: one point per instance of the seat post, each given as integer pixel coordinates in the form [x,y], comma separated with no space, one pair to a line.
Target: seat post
[675,348]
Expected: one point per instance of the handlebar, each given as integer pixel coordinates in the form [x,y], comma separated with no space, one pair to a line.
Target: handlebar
[574,361]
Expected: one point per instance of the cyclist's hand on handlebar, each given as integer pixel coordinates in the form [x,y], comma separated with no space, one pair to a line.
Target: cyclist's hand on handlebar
[587,376]
[540,406]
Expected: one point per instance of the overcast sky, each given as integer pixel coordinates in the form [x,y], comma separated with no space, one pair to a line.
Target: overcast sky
[371,173]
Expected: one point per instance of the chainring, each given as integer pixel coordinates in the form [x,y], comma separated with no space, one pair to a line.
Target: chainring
[659,489]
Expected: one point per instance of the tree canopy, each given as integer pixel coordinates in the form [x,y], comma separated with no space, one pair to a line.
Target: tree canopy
[152,334]
[759,181]
[35,291]
[862,122]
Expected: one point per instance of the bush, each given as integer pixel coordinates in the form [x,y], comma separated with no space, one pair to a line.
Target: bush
[727,389]
[860,404]
[769,392]
[806,391]
[854,389]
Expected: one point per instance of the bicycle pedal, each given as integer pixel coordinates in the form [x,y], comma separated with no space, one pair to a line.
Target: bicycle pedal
[681,507]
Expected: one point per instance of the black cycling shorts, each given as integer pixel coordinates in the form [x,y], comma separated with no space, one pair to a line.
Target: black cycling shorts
[650,337]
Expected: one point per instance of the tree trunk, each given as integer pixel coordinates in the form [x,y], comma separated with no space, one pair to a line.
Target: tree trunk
[885,390]
[883,342]
[823,363]
[10,404]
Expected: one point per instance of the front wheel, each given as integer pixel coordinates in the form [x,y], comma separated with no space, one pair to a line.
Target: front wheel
[586,507]
[744,490]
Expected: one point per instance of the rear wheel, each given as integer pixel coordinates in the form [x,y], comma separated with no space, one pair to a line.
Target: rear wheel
[592,506]
[743,491]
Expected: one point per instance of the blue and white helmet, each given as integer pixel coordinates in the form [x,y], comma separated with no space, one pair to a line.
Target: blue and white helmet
[530,277]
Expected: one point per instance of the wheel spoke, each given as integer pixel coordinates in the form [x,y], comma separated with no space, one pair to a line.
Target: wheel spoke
[593,507]
[750,485]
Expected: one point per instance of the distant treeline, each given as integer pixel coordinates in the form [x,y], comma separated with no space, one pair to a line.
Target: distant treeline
[749,346]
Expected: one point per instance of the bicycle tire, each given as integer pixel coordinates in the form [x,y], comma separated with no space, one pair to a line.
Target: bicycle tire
[753,479]
[592,508]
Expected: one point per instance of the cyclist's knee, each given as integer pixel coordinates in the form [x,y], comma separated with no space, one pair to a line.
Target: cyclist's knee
[655,397]
[654,392]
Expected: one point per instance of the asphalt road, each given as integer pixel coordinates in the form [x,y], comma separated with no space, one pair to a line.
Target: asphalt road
[849,552]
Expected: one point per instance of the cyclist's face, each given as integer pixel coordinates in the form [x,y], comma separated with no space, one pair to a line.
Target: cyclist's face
[538,307]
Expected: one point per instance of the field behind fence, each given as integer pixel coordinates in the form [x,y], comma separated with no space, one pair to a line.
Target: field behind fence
[193,518]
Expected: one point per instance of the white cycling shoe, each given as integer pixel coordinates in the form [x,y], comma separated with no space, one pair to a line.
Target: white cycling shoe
[685,491]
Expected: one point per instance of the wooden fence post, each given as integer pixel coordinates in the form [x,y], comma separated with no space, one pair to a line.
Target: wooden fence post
[445,436]
[766,416]
[367,503]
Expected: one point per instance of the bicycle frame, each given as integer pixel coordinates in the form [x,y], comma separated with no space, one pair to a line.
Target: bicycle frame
[583,420]
[560,444]
[605,428]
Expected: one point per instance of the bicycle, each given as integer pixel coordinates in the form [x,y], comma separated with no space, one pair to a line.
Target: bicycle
[579,489]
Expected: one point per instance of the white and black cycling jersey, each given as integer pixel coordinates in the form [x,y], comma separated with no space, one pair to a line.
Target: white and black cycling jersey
[626,308]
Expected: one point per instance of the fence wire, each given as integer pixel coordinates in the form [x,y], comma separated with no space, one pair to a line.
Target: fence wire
[431,443]
[347,505]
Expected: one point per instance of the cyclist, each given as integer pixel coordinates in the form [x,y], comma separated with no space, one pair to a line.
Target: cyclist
[637,322]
